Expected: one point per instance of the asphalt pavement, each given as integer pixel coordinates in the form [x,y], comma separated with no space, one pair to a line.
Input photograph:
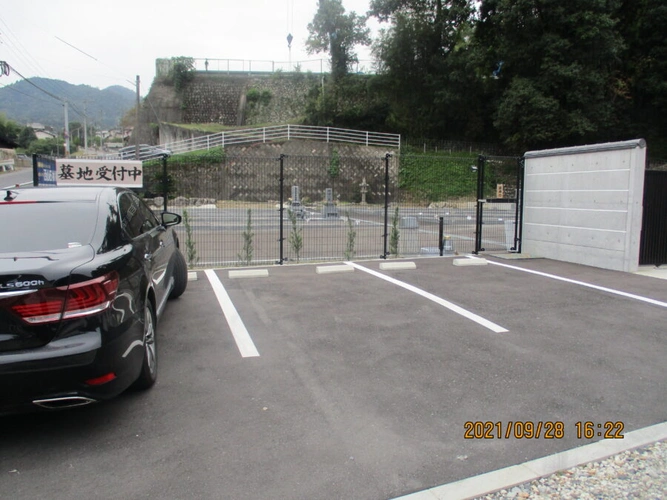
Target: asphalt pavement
[340,381]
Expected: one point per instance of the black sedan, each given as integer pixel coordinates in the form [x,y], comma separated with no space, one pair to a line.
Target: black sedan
[85,274]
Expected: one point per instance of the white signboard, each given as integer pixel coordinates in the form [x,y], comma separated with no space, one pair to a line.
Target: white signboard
[82,172]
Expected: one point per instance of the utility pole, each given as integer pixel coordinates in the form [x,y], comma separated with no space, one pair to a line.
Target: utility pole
[85,127]
[136,123]
[66,104]
[85,133]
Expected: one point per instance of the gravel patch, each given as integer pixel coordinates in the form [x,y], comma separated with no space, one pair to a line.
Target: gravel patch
[634,474]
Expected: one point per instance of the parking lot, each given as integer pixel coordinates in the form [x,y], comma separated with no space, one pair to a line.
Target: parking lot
[351,381]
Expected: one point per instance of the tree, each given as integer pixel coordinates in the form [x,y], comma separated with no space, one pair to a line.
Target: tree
[76,133]
[181,72]
[335,32]
[415,56]
[555,65]
[642,92]
[129,118]
[437,23]
[26,136]
[52,146]
[9,132]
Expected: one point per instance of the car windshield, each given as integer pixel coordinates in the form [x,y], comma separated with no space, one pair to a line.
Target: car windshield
[40,226]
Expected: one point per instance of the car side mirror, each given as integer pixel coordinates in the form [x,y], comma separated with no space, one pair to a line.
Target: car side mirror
[170,219]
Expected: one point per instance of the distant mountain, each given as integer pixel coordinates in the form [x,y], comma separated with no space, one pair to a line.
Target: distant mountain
[24,103]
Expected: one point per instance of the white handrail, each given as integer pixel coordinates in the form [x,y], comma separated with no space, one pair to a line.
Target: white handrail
[285,132]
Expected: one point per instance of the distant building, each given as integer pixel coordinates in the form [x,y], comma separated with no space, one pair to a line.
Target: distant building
[42,132]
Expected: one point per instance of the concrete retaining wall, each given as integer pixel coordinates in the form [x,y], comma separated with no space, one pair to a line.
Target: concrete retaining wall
[584,204]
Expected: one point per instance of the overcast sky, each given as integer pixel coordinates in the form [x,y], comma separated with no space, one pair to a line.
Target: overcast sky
[109,42]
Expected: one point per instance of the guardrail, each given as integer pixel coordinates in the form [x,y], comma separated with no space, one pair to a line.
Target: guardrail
[285,132]
[6,165]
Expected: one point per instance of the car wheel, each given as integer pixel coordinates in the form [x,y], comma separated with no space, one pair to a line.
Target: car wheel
[180,275]
[148,374]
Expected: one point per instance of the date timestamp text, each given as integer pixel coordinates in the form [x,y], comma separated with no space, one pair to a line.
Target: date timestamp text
[541,430]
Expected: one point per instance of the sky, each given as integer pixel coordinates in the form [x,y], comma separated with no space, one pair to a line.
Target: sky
[110,42]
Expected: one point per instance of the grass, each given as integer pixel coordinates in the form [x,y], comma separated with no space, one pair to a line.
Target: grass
[435,178]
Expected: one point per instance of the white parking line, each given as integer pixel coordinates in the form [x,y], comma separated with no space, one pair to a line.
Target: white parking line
[241,336]
[452,307]
[583,283]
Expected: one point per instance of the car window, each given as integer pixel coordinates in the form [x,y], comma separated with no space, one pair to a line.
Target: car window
[30,227]
[136,217]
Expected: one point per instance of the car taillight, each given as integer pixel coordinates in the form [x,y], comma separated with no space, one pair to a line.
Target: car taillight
[67,302]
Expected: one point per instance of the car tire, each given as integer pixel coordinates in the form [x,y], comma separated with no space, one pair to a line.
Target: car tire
[180,272]
[148,374]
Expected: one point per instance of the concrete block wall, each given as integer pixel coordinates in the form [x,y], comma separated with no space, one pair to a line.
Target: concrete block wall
[584,204]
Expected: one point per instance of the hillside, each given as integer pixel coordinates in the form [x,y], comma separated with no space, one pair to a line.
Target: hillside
[24,103]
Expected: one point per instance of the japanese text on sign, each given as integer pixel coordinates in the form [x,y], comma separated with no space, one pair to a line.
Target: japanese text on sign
[77,172]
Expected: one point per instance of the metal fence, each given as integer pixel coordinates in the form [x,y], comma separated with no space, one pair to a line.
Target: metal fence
[246,66]
[258,211]
[653,243]
[262,135]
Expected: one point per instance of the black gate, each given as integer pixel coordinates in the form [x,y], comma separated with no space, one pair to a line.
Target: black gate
[653,243]
[499,203]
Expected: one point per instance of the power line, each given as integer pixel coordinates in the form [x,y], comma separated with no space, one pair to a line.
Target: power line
[65,103]
[12,89]
[76,48]
[34,84]
[70,104]
[30,62]
[16,47]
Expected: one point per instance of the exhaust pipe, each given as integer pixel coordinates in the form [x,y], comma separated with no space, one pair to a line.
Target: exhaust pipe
[63,402]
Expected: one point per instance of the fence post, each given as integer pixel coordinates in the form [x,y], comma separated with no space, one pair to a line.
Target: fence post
[35,170]
[165,182]
[518,214]
[441,234]
[281,209]
[386,204]
[481,162]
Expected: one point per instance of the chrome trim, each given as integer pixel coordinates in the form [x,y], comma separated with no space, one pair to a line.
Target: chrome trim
[159,276]
[63,402]
[136,343]
[161,306]
[16,293]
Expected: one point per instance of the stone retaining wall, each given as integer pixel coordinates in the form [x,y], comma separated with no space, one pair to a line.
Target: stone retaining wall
[252,172]
[214,97]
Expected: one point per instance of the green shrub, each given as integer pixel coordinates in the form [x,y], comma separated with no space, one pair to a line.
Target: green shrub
[395,235]
[351,237]
[246,256]
[296,235]
[190,245]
